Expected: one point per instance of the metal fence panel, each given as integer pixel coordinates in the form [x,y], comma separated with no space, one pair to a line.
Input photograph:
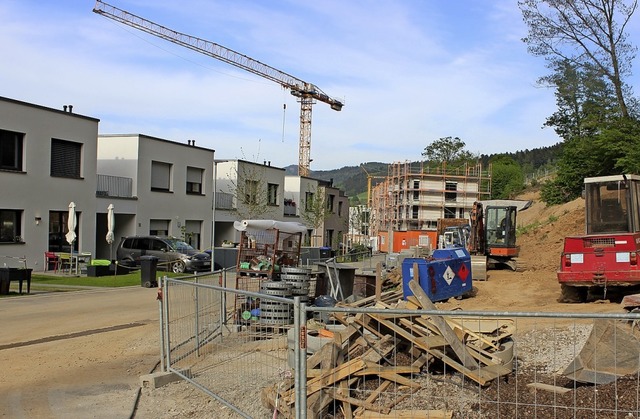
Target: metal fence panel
[395,360]
[229,361]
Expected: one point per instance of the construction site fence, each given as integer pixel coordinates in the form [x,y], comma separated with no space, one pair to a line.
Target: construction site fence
[390,361]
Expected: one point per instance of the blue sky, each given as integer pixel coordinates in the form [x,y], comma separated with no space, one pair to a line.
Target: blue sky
[409,72]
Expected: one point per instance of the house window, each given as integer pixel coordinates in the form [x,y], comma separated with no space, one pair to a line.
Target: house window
[11,150]
[451,193]
[330,202]
[340,208]
[272,191]
[449,212]
[414,212]
[65,158]
[251,192]
[160,176]
[10,226]
[308,201]
[194,180]
[159,227]
[58,230]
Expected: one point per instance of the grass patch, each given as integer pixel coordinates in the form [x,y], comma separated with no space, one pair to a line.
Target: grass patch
[109,281]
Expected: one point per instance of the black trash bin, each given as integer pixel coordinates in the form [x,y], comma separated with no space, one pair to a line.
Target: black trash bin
[148,269]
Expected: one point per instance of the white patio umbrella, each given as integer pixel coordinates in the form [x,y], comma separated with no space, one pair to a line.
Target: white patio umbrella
[111,225]
[71,224]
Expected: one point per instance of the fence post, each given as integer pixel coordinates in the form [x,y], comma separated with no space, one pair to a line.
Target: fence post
[302,366]
[165,319]
[161,322]
[296,354]
[197,318]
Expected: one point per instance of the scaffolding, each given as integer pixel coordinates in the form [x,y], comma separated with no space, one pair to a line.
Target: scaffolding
[415,195]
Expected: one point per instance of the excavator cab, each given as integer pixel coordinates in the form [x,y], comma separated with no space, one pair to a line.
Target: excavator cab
[500,231]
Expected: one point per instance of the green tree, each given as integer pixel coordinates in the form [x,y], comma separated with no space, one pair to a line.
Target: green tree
[250,190]
[447,149]
[315,212]
[507,178]
[590,34]
[584,98]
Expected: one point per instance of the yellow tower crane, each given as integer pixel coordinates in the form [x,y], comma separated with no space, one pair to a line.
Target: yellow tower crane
[306,92]
[369,178]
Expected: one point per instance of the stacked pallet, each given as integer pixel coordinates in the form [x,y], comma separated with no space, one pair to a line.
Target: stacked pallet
[391,350]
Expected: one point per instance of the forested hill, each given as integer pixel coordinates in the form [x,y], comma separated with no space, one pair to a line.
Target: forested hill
[353,179]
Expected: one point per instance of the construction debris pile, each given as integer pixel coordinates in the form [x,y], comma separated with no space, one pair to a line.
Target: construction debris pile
[391,350]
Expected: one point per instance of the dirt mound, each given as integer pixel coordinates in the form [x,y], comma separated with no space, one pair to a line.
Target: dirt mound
[542,229]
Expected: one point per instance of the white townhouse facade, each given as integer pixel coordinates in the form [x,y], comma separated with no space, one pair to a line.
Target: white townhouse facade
[47,161]
[158,187]
[247,190]
[50,158]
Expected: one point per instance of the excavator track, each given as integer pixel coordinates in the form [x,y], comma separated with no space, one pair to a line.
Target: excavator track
[521,265]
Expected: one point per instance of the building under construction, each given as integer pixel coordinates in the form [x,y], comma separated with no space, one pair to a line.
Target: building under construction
[406,206]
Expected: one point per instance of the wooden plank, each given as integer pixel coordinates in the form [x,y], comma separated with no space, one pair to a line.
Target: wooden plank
[431,342]
[373,396]
[549,387]
[458,347]
[399,331]
[402,414]
[414,327]
[373,368]
[398,379]
[334,375]
[470,332]
[328,378]
[361,403]
[380,349]
[481,376]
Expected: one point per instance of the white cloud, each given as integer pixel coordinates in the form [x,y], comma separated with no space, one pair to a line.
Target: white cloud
[409,71]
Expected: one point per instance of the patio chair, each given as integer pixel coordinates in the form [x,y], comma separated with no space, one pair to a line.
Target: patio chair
[65,262]
[51,261]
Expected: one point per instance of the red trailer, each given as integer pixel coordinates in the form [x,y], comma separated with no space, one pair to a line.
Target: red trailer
[607,256]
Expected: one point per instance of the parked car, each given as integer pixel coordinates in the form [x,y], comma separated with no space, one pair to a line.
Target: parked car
[173,254]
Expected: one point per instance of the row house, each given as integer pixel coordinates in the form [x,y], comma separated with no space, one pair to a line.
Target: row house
[51,158]
[248,190]
[158,187]
[47,162]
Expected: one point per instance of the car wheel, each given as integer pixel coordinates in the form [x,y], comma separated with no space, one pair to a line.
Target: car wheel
[177,267]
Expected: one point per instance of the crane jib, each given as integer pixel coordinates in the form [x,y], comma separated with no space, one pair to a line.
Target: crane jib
[299,88]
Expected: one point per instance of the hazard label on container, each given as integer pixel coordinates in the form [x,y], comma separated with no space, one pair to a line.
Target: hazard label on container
[449,275]
[463,272]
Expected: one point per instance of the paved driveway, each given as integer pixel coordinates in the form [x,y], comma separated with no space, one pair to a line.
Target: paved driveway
[76,354]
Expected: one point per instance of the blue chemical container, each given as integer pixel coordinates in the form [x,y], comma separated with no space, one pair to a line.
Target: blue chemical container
[447,275]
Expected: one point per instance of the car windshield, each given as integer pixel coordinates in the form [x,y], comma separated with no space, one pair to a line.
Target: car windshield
[179,245]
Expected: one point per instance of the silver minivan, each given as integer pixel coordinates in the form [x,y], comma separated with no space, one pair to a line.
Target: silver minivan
[173,254]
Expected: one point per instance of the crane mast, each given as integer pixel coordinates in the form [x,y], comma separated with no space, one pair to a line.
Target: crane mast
[307,93]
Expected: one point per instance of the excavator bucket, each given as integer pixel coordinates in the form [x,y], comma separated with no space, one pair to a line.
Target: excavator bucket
[611,351]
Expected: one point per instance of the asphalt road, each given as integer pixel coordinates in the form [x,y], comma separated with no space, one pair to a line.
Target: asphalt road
[76,354]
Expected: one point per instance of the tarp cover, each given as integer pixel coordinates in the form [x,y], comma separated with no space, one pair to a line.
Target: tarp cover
[284,226]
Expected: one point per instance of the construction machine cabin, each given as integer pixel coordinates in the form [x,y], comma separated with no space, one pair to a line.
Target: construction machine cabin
[607,255]
[406,206]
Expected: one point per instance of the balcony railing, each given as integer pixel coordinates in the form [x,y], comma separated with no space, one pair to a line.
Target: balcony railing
[114,186]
